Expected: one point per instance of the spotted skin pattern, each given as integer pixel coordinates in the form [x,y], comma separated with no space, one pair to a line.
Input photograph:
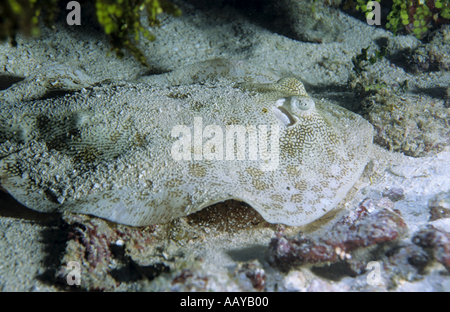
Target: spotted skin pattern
[107,151]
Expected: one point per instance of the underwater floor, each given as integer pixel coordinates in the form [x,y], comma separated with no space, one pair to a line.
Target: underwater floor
[77,125]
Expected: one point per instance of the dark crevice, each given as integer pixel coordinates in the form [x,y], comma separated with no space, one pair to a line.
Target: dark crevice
[130,271]
[55,236]
[7,80]
[335,272]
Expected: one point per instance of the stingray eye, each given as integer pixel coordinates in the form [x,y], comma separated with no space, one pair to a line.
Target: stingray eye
[302,104]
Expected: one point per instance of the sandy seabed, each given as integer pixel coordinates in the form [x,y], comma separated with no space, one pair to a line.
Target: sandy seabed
[33,244]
